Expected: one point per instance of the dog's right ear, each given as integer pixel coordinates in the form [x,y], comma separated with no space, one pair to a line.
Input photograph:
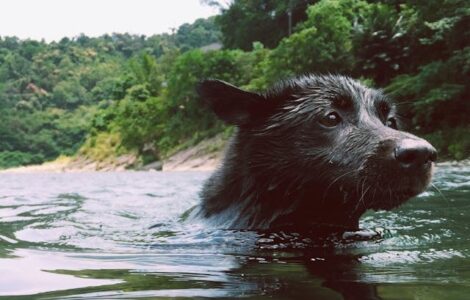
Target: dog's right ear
[231,104]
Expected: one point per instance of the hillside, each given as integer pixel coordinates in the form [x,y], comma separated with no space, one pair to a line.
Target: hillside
[51,93]
[100,99]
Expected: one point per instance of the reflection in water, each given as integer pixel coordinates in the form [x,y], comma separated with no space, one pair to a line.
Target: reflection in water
[33,272]
[121,236]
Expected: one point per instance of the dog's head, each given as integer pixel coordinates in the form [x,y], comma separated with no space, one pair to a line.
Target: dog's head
[330,130]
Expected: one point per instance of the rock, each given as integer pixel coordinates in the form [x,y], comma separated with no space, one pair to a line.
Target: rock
[156,165]
[204,156]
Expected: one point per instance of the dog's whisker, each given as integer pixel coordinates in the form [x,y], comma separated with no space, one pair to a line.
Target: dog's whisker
[335,180]
[439,191]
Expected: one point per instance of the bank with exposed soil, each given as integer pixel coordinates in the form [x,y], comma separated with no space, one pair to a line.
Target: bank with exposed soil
[204,156]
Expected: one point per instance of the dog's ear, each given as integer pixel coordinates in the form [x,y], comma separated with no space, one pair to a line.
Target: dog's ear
[231,104]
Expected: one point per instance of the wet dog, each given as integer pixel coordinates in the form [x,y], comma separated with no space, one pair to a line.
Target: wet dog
[314,152]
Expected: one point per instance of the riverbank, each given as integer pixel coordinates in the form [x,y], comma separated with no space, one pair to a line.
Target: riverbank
[204,156]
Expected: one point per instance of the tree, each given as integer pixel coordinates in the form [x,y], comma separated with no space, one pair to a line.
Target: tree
[323,43]
[200,33]
[265,21]
[384,42]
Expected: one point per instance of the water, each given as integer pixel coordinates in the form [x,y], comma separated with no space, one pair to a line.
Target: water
[89,236]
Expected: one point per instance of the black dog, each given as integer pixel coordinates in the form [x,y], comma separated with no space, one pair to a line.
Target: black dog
[314,152]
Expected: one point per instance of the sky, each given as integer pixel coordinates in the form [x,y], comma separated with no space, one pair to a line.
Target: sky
[54,19]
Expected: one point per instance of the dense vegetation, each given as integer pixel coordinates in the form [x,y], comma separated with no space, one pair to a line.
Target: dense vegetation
[121,93]
[54,95]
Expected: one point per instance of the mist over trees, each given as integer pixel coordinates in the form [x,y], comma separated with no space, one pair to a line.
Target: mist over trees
[119,93]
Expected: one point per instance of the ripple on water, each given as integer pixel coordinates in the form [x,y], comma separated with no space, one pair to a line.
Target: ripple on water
[93,232]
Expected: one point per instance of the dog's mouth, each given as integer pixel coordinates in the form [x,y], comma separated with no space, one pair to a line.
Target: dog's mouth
[384,188]
[393,199]
[391,193]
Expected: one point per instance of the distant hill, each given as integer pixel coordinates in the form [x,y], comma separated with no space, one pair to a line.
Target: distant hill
[49,92]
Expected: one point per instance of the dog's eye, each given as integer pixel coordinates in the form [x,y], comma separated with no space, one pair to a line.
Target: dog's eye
[330,120]
[392,123]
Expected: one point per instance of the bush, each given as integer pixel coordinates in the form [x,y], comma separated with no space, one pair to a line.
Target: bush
[9,159]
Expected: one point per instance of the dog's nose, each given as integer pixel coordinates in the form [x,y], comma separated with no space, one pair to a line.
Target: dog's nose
[415,153]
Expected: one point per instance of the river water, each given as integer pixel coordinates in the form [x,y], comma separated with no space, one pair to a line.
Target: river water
[122,236]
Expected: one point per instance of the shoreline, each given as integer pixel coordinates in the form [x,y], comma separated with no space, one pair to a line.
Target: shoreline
[204,156]
[58,167]
[202,163]
[208,163]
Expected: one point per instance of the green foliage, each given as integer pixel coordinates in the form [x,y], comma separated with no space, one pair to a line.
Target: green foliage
[103,97]
[198,34]
[53,95]
[10,159]
[180,103]
[248,21]
[156,123]
[104,146]
[323,44]
[139,122]
[69,94]
[440,90]
[42,135]
[384,41]
[146,72]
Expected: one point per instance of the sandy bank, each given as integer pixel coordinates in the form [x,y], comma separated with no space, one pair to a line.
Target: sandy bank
[205,156]
[75,164]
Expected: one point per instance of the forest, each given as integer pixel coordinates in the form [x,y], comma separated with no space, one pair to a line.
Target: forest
[121,93]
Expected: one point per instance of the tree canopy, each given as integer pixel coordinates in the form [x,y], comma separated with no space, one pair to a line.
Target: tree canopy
[137,93]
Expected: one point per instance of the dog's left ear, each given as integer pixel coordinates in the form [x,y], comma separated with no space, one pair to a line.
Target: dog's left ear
[230,103]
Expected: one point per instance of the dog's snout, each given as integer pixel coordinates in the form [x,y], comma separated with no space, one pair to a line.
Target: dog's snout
[414,153]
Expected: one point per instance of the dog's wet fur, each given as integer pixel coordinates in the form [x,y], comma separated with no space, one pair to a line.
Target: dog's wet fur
[312,153]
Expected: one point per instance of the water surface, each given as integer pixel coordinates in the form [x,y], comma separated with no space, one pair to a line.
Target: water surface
[121,236]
